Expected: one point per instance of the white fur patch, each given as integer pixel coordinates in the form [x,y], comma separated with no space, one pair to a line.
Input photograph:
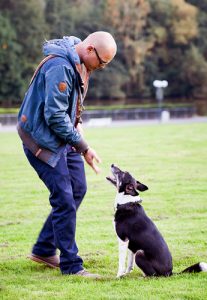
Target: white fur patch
[203,266]
[123,199]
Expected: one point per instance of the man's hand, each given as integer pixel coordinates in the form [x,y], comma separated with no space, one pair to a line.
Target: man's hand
[89,157]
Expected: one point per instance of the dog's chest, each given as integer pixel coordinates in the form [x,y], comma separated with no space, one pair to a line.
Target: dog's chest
[127,212]
[119,232]
[124,218]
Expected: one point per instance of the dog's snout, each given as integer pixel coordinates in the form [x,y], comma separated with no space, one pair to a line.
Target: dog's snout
[115,169]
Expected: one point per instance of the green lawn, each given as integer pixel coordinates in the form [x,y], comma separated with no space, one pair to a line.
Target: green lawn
[170,159]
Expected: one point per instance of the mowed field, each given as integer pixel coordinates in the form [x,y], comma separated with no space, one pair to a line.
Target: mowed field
[170,159]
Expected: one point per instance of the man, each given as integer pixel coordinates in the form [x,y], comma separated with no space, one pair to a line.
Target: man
[48,124]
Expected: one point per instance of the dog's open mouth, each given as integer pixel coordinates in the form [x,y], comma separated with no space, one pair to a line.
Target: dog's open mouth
[111,178]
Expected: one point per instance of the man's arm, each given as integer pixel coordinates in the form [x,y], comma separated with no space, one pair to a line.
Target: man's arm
[58,87]
[90,154]
[59,82]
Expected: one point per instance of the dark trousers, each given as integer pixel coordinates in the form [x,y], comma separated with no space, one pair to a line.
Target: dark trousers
[67,186]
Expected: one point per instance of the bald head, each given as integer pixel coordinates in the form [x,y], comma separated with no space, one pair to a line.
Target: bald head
[97,50]
[104,44]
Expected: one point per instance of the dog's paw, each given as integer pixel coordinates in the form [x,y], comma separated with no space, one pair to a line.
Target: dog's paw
[120,275]
[129,270]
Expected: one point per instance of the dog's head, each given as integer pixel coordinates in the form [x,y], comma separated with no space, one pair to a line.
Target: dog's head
[125,183]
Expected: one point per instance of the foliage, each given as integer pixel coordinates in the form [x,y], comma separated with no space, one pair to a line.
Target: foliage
[194,75]
[102,86]
[27,28]
[172,42]
[156,40]
[133,44]
[201,41]
[184,25]
[9,52]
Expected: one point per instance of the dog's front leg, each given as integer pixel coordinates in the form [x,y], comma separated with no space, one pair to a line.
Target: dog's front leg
[123,246]
[130,265]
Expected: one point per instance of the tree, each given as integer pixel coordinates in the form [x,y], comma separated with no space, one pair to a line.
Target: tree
[11,81]
[173,32]
[128,19]
[201,41]
[194,74]
[72,17]
[156,40]
[107,83]
[27,26]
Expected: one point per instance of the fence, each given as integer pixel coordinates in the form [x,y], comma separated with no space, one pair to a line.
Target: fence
[138,113]
[119,114]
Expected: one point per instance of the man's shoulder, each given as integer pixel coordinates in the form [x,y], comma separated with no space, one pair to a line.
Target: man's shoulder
[56,61]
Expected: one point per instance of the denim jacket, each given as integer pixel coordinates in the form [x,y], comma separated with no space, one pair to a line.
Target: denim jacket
[48,111]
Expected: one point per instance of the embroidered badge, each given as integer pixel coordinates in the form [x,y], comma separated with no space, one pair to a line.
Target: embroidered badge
[23,118]
[62,86]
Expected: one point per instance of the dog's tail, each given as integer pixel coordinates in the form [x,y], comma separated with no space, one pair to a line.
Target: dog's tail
[199,267]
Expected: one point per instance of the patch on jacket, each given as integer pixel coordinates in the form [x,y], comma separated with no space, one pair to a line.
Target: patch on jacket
[62,86]
[23,118]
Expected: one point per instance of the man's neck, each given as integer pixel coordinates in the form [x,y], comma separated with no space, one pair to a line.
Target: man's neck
[78,48]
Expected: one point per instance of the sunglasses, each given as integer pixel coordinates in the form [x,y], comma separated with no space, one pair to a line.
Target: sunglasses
[101,62]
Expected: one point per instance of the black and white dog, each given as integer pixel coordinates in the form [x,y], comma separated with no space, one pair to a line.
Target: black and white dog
[137,233]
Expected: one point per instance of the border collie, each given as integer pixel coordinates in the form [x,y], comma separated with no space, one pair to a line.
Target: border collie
[137,233]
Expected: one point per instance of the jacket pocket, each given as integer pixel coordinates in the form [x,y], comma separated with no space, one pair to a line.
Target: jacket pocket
[46,138]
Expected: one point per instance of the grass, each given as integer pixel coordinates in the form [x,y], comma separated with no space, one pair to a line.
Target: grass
[170,159]
[11,110]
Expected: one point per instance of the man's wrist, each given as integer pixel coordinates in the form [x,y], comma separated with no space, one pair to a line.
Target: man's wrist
[81,146]
[84,152]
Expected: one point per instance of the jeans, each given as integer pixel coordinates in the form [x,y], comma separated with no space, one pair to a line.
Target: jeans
[66,183]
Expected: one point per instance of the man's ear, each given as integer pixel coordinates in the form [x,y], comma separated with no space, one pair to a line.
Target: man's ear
[130,189]
[90,48]
[141,187]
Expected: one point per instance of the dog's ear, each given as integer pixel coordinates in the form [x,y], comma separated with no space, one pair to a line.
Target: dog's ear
[130,189]
[141,187]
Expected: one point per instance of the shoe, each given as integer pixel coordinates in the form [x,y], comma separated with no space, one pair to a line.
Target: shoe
[85,273]
[50,261]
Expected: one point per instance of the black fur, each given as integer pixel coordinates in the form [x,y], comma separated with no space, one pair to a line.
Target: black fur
[133,224]
[152,254]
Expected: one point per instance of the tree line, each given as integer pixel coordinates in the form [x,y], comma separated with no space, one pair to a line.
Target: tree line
[157,39]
